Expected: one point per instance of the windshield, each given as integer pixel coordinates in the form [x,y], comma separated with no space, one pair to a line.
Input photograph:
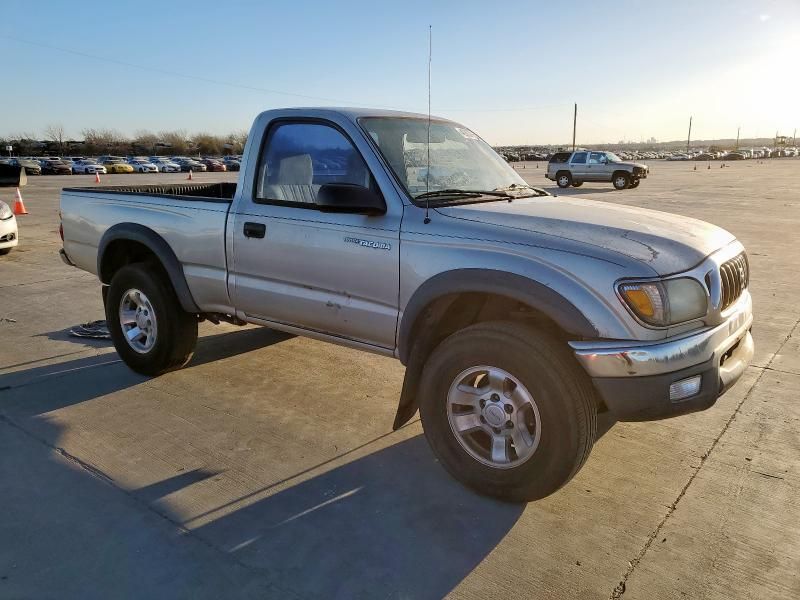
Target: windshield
[613,157]
[459,159]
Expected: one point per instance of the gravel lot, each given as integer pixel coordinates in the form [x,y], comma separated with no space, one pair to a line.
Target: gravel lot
[267,467]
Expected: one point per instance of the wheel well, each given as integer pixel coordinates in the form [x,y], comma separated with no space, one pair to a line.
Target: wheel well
[448,314]
[620,172]
[444,316]
[563,172]
[125,252]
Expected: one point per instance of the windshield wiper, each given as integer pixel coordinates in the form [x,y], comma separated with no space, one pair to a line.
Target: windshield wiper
[458,193]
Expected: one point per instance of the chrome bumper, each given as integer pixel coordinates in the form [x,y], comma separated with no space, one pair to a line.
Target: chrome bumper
[635,359]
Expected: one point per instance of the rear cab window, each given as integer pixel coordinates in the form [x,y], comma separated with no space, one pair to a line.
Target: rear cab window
[560,157]
[579,158]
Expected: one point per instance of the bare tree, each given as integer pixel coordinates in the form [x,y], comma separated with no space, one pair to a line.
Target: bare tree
[55,133]
[105,141]
[208,144]
[238,139]
[177,140]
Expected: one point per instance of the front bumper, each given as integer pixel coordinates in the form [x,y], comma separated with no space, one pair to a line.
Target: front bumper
[9,236]
[634,380]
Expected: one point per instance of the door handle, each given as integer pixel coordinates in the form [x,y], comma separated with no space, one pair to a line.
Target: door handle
[255,230]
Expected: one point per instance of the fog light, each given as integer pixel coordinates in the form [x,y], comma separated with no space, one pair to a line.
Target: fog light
[684,388]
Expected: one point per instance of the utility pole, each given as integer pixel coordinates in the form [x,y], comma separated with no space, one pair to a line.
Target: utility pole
[737,137]
[794,138]
[689,137]
[574,125]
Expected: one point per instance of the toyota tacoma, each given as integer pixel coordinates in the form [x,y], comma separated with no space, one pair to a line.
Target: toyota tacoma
[518,316]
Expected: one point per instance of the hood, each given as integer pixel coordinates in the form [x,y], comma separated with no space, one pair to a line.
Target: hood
[667,243]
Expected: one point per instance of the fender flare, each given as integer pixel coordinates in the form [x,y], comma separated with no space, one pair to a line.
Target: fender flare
[520,288]
[413,352]
[157,245]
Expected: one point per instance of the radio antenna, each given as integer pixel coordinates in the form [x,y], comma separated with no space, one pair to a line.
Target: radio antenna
[428,145]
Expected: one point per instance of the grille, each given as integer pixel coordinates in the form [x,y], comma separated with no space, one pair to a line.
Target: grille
[735,275]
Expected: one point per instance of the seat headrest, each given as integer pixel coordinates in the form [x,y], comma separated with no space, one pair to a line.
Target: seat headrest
[296,170]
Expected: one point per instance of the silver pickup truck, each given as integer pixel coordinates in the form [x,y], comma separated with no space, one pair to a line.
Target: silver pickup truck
[518,315]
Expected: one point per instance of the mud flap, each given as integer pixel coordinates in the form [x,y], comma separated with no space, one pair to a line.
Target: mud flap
[409,396]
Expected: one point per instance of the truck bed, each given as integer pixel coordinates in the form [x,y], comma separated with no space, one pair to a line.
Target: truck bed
[190,217]
[198,192]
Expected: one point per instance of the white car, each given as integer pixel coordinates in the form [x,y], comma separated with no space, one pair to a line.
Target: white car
[165,165]
[143,166]
[8,229]
[88,167]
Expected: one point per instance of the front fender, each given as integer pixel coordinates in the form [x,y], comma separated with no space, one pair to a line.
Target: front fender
[527,291]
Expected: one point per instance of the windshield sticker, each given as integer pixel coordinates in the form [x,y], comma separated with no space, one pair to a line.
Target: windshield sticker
[466,133]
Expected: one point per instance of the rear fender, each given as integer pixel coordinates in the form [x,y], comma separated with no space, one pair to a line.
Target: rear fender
[160,249]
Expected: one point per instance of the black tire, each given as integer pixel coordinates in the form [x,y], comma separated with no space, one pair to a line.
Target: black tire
[561,390]
[176,334]
[577,183]
[635,183]
[4,251]
[563,179]
[621,180]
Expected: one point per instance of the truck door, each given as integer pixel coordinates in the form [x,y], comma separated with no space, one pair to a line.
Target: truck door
[597,167]
[577,166]
[594,166]
[335,273]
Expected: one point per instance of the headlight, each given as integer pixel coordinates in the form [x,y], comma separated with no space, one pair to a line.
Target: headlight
[5,211]
[663,303]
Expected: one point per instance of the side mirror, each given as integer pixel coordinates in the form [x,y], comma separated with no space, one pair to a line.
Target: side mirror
[349,198]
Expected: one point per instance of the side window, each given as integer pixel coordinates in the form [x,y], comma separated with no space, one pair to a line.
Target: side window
[579,158]
[299,158]
[596,158]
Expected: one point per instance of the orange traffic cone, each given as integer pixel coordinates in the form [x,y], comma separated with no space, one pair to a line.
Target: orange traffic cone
[97,176]
[189,178]
[19,205]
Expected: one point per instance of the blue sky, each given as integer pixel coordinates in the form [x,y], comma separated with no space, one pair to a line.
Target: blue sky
[508,70]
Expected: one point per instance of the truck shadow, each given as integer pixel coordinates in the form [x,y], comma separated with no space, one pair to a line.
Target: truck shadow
[389,524]
[584,190]
[209,347]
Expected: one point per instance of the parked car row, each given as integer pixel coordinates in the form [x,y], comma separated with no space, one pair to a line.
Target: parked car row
[514,155]
[81,165]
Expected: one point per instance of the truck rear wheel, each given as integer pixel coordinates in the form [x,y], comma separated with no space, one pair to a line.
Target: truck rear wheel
[150,330]
[507,410]
[563,179]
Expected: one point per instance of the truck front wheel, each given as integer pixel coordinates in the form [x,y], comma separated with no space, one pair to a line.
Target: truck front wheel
[150,330]
[621,180]
[507,410]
